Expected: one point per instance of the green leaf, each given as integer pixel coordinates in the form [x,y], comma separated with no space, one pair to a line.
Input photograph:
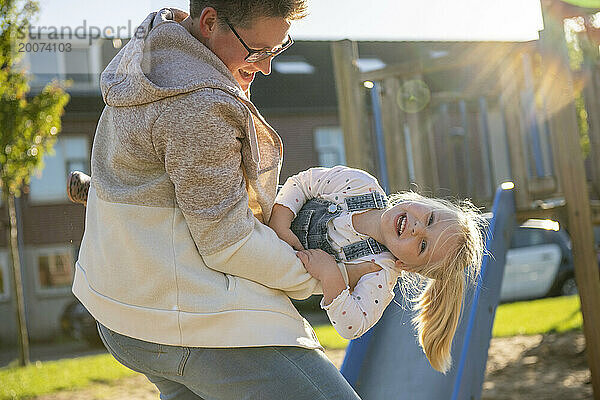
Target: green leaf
[584,3]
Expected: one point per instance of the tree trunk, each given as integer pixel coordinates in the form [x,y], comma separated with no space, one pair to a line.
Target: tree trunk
[17,281]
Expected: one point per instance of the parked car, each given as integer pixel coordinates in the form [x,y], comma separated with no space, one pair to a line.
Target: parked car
[539,262]
[78,323]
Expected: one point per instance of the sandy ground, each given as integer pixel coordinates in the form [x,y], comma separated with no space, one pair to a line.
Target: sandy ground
[522,367]
[538,367]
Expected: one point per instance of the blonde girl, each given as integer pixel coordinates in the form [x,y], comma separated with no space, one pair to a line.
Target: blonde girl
[409,237]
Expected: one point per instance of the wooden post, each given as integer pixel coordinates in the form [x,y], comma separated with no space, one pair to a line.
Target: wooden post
[510,103]
[358,140]
[448,149]
[569,166]
[420,148]
[434,177]
[393,128]
[591,93]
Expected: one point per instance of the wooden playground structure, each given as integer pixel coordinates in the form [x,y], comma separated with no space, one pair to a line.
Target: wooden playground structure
[513,119]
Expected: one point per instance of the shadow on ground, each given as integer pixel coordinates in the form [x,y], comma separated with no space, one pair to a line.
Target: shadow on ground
[552,366]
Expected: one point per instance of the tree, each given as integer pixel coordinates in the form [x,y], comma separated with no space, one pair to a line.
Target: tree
[28,129]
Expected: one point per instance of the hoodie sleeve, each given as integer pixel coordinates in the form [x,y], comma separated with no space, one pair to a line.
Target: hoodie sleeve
[199,137]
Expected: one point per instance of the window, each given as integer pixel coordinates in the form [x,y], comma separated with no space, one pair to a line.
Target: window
[44,66]
[4,276]
[293,65]
[77,65]
[329,144]
[438,53]
[70,153]
[369,64]
[54,269]
[80,63]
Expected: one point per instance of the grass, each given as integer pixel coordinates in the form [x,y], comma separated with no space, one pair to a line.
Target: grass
[558,314]
[555,314]
[329,337]
[54,376]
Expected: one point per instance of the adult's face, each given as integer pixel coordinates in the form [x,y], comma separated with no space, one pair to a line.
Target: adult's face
[261,34]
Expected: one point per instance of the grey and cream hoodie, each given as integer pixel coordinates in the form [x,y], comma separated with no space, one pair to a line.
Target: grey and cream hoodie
[184,173]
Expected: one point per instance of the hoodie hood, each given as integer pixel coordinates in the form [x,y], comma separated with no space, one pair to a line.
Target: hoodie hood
[143,71]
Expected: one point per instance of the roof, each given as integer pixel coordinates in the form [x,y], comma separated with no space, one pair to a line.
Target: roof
[314,89]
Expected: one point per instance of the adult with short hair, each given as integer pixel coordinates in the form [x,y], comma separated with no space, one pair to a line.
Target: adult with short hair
[187,283]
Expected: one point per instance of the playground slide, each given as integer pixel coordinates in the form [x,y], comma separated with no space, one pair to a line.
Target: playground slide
[387,362]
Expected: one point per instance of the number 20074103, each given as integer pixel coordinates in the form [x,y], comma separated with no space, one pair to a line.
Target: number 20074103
[42,47]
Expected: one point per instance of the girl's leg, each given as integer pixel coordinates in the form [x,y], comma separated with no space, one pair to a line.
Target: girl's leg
[78,185]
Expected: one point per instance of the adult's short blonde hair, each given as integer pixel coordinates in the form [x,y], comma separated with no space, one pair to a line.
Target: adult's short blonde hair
[439,304]
[244,12]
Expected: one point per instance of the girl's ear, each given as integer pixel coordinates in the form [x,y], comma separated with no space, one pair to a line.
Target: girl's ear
[400,265]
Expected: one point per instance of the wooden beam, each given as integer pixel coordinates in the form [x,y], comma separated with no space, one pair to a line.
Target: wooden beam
[540,187]
[393,128]
[420,148]
[434,176]
[358,140]
[510,103]
[408,69]
[569,166]
[591,95]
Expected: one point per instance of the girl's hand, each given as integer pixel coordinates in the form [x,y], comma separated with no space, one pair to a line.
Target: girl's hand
[318,263]
[324,268]
[280,222]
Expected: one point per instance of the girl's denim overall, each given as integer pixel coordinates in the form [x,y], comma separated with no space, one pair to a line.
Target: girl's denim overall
[310,225]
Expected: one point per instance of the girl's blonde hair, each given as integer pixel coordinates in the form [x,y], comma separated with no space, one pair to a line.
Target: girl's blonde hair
[439,305]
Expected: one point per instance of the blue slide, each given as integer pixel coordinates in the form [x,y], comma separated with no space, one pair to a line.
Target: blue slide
[387,362]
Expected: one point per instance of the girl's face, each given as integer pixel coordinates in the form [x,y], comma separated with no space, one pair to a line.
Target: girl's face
[418,234]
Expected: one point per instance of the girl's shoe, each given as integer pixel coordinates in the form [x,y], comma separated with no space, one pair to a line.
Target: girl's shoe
[78,185]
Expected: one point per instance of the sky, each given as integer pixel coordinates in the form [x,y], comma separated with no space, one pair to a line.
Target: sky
[512,20]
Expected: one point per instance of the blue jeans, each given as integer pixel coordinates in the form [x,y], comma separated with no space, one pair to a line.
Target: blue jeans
[265,373]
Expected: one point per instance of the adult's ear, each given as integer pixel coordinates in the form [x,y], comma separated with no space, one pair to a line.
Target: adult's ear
[207,22]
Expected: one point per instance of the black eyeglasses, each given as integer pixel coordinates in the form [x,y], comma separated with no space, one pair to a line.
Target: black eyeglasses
[259,55]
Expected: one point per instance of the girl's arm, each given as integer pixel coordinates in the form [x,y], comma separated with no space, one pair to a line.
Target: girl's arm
[351,314]
[280,222]
[325,183]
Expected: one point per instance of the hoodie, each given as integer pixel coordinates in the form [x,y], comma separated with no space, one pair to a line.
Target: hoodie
[184,175]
